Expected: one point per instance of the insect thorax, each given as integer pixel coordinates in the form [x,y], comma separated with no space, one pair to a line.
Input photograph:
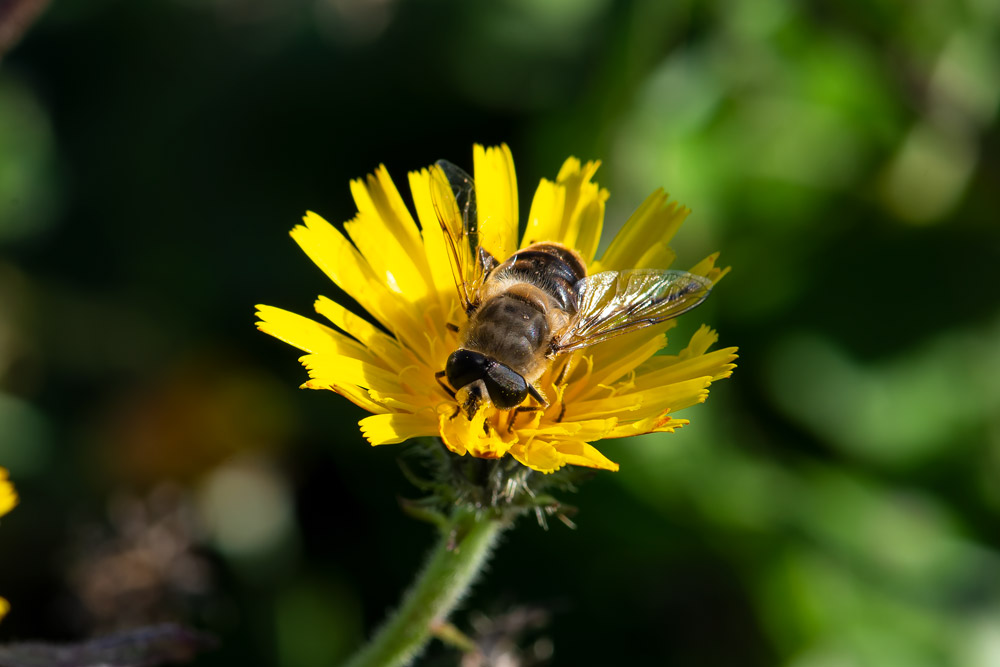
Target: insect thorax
[551,267]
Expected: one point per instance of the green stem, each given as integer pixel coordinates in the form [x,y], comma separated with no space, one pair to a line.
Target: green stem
[451,569]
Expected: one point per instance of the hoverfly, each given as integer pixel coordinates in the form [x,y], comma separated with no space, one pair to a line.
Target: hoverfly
[537,304]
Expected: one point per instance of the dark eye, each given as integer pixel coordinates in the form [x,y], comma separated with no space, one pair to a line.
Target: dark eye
[507,389]
[465,367]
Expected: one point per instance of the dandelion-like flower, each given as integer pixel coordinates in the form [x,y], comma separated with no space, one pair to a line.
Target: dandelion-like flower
[8,499]
[402,274]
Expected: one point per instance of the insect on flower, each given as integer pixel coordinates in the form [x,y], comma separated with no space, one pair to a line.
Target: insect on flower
[533,345]
[537,304]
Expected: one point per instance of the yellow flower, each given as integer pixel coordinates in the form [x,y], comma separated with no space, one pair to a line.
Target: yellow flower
[400,274]
[8,498]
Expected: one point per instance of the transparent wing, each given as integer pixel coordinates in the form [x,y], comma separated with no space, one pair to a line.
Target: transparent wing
[453,194]
[615,302]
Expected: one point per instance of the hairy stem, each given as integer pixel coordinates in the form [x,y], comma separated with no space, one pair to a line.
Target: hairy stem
[450,570]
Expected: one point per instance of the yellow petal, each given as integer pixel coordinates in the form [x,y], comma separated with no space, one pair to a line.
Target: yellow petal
[406,401]
[336,369]
[476,436]
[496,199]
[707,268]
[577,378]
[655,220]
[588,430]
[658,255]
[391,260]
[702,339]
[432,235]
[661,371]
[538,455]
[458,432]
[616,358]
[378,198]
[580,453]
[351,392]
[569,211]
[693,361]
[548,456]
[345,266]
[4,608]
[338,259]
[587,224]
[583,216]
[546,215]
[660,423]
[310,336]
[632,405]
[389,429]
[381,345]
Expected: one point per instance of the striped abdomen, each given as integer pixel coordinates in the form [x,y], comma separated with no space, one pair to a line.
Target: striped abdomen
[523,303]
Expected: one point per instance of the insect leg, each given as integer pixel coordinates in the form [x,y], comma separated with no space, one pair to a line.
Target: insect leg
[519,410]
[448,390]
[537,395]
[564,371]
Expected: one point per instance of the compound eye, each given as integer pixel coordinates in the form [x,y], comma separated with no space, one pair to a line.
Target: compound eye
[465,367]
[507,388]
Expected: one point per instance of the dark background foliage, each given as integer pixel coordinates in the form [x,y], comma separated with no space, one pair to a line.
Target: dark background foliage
[834,503]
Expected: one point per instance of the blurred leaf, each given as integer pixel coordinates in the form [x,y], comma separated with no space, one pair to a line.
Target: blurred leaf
[897,412]
[27,191]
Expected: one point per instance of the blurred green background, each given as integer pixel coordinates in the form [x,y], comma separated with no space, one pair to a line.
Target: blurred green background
[835,503]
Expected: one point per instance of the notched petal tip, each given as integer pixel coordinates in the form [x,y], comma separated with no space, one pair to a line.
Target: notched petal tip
[313,217]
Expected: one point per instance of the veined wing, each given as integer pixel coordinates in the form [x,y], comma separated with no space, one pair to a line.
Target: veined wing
[453,194]
[615,302]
